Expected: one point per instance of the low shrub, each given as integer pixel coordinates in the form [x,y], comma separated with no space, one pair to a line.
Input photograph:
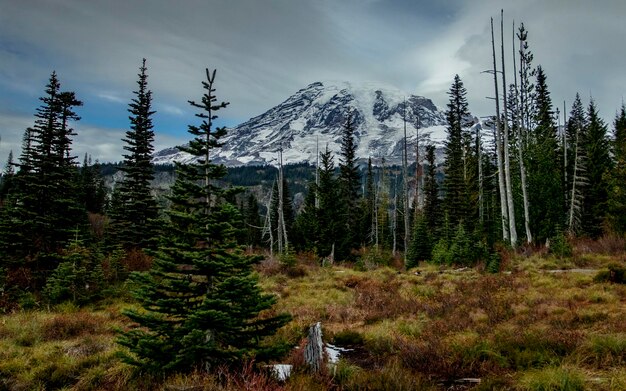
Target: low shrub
[604,351]
[616,273]
[66,326]
[348,338]
[553,379]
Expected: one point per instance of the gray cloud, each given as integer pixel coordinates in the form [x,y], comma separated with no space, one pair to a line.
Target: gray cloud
[265,50]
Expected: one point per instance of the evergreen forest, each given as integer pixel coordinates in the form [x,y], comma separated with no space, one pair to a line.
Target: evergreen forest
[496,262]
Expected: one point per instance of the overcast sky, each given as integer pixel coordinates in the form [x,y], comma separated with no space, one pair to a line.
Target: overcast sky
[265,50]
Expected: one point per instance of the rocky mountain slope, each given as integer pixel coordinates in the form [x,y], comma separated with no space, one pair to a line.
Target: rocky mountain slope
[313,118]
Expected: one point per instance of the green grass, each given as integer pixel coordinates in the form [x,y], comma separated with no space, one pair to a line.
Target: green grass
[524,330]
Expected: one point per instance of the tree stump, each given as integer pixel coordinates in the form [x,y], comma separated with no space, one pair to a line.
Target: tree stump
[314,349]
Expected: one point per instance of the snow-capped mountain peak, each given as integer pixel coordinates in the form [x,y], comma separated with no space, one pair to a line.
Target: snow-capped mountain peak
[314,117]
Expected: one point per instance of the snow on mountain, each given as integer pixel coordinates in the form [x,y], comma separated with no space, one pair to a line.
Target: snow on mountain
[315,115]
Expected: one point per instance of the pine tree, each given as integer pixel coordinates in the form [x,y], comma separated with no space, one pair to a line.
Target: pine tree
[617,178]
[6,180]
[46,210]
[576,167]
[432,213]
[135,212]
[349,184]
[252,220]
[200,300]
[598,164]
[544,174]
[93,190]
[420,248]
[454,184]
[330,226]
[306,225]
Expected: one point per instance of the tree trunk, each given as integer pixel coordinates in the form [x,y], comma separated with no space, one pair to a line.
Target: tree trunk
[314,349]
[498,135]
[507,160]
[520,146]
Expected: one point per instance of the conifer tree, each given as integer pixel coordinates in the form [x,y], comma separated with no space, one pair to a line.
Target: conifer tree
[432,213]
[135,212]
[306,225]
[252,220]
[46,210]
[598,165]
[617,177]
[544,174]
[575,169]
[455,185]
[92,186]
[7,178]
[330,226]
[349,184]
[200,300]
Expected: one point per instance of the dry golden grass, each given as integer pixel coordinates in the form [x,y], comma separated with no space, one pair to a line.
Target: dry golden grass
[525,328]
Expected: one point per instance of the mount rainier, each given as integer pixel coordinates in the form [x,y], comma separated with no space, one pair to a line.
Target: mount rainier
[315,115]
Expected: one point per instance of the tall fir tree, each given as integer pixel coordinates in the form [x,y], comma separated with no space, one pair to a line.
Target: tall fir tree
[455,182]
[134,214]
[6,180]
[349,184]
[201,301]
[617,178]
[576,180]
[329,225]
[432,212]
[544,173]
[252,221]
[306,225]
[46,211]
[597,148]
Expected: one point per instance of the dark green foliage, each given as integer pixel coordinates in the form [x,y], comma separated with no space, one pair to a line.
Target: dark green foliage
[44,210]
[464,249]
[349,185]
[616,273]
[6,179]
[432,212]
[330,226]
[456,196]
[544,173]
[134,212]
[616,182]
[559,245]
[200,300]
[420,248]
[252,221]
[92,186]
[306,226]
[598,164]
[78,278]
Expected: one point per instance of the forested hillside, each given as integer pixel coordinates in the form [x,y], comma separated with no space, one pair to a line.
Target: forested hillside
[430,271]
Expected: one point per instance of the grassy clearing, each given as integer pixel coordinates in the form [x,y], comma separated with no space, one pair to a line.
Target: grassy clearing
[423,329]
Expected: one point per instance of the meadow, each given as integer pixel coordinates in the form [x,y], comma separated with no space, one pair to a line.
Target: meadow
[542,323]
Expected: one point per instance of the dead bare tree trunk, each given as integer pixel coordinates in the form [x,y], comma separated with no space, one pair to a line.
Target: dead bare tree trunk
[507,160]
[520,146]
[405,189]
[267,227]
[314,349]
[498,137]
[283,244]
